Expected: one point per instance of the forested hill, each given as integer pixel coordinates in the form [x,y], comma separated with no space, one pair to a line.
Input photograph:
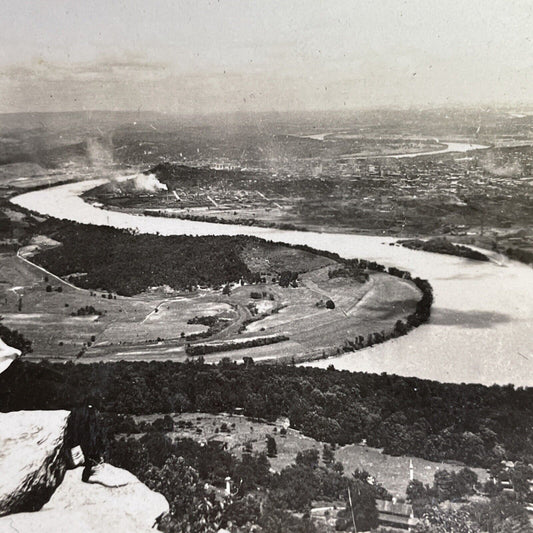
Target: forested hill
[127,263]
[473,424]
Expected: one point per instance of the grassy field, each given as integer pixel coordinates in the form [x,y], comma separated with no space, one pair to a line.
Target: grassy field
[391,472]
[155,325]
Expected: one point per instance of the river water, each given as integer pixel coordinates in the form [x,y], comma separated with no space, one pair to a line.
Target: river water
[450,147]
[481,329]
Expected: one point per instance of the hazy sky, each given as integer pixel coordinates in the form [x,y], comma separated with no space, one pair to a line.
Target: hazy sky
[227,55]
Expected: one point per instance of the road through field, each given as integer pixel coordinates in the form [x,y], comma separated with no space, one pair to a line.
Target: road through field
[481,329]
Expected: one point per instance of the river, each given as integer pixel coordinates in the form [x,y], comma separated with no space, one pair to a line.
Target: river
[450,147]
[481,329]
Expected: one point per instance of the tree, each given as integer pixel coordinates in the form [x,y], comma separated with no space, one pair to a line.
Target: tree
[421,496]
[192,509]
[503,514]
[308,458]
[465,481]
[272,448]
[251,471]
[226,290]
[400,328]
[242,511]
[444,484]
[287,277]
[275,520]
[437,520]
[520,476]
[328,455]
[363,506]
[330,304]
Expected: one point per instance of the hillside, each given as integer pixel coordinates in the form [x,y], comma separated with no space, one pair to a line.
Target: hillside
[125,263]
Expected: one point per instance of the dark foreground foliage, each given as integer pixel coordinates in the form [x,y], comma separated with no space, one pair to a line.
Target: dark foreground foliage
[474,424]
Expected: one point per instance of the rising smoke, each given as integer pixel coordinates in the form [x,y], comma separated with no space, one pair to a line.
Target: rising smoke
[147,183]
[99,153]
[513,168]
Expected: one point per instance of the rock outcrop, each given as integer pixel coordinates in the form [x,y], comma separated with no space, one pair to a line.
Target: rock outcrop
[93,507]
[33,458]
[7,355]
[40,490]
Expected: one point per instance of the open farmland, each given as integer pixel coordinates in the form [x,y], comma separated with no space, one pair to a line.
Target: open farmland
[247,312]
[45,317]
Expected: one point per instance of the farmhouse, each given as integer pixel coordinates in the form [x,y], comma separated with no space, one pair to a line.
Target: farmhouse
[394,516]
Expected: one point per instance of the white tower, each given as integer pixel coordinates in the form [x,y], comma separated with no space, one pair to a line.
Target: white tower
[411,470]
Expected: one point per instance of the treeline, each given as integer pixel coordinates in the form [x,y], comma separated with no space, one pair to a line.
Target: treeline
[203,349]
[421,315]
[474,424]
[212,219]
[441,245]
[87,310]
[122,262]
[351,271]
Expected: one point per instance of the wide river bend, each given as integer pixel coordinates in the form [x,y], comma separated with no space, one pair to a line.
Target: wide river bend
[481,329]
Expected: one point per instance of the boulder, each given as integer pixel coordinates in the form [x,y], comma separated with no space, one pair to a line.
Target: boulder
[33,458]
[111,476]
[93,507]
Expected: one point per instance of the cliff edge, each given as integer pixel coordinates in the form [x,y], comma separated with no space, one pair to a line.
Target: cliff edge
[41,491]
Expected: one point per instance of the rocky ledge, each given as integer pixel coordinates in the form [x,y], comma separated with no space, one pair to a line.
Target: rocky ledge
[33,458]
[7,355]
[40,490]
[93,508]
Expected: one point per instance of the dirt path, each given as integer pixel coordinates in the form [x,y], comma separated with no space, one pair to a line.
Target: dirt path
[49,274]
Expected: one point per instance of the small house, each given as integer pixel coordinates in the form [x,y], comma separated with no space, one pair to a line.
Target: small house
[394,516]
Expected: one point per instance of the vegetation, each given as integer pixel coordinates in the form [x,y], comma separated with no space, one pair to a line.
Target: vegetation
[500,514]
[203,349]
[272,447]
[87,310]
[180,470]
[447,486]
[474,424]
[14,339]
[125,263]
[519,254]
[349,271]
[441,245]
[241,221]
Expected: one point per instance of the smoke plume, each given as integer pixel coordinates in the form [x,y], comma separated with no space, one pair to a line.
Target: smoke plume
[147,183]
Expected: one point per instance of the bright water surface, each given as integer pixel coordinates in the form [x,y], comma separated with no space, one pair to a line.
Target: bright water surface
[481,329]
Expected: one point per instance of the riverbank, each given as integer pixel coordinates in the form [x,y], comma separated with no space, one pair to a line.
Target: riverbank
[481,329]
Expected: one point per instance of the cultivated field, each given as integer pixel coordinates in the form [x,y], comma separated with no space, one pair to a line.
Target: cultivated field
[160,323]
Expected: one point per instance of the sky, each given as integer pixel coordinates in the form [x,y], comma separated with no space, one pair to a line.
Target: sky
[200,56]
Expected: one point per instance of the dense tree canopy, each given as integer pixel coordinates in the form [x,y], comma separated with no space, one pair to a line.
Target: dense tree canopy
[474,424]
